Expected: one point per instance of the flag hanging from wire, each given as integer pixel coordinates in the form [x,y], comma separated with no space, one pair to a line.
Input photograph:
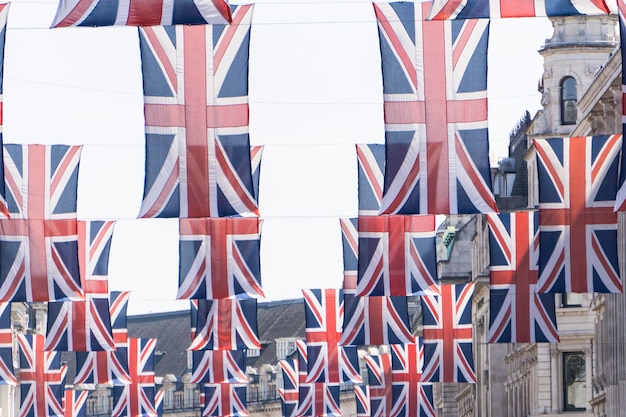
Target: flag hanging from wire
[473,9]
[327,360]
[220,258]
[435,111]
[141,13]
[397,256]
[39,243]
[517,313]
[7,373]
[137,398]
[577,226]
[203,168]
[42,379]
[447,335]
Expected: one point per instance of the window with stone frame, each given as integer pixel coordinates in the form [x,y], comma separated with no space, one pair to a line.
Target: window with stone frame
[574,381]
[572,300]
[189,396]
[284,348]
[168,399]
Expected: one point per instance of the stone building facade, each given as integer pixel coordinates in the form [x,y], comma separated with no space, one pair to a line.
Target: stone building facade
[584,374]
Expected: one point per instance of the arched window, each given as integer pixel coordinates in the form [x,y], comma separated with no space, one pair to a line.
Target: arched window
[568,101]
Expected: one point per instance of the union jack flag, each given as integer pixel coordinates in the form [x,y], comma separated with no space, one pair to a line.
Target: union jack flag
[411,396]
[577,226]
[371,168]
[517,313]
[437,160]
[39,244]
[300,398]
[94,245]
[193,317]
[137,398]
[219,258]
[362,396]
[4,12]
[158,402]
[531,8]
[256,153]
[381,385]
[79,326]
[42,379]
[118,360]
[118,309]
[350,245]
[472,9]
[463,9]
[7,374]
[108,367]
[327,360]
[103,367]
[289,394]
[140,13]
[198,73]
[218,366]
[374,320]
[620,200]
[226,324]
[86,325]
[225,400]
[447,320]
[318,400]
[303,360]
[397,256]
[74,403]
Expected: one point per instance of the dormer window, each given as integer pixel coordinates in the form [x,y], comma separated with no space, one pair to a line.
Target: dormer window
[568,101]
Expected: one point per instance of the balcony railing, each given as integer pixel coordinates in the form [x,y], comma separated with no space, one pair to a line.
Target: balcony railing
[180,401]
[256,395]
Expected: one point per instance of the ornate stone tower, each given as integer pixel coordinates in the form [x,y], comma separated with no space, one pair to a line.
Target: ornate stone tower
[579,47]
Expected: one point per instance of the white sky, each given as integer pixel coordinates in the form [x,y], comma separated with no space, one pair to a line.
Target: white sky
[315,91]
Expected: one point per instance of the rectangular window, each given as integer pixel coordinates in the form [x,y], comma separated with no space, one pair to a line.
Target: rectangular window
[189,397]
[168,400]
[253,353]
[284,348]
[574,381]
[91,407]
[103,404]
[572,300]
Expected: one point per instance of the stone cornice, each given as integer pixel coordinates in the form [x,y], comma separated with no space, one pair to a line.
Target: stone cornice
[598,91]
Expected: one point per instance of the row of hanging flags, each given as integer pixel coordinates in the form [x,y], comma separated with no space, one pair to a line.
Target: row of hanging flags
[201,169]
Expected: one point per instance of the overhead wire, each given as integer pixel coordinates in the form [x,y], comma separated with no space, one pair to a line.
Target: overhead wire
[252,101]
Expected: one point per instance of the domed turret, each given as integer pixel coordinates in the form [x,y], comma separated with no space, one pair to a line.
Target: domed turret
[578,48]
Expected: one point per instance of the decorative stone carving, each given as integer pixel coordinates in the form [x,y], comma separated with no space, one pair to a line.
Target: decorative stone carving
[480,324]
[609,106]
[547,73]
[591,70]
[597,122]
[616,91]
[554,352]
